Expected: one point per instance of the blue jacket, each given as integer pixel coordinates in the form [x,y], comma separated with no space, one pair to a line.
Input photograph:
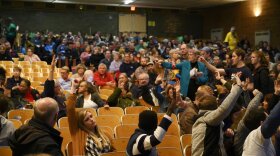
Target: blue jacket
[185,68]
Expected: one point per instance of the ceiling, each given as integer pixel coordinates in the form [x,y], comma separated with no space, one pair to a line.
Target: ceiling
[168,4]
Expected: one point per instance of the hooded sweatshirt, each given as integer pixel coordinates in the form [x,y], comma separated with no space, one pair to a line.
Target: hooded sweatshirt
[34,138]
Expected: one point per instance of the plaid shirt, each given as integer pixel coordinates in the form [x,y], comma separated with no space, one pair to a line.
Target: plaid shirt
[93,150]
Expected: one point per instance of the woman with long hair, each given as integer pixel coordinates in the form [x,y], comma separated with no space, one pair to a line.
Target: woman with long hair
[261,78]
[87,138]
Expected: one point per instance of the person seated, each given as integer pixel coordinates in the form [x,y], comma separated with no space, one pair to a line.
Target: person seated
[6,127]
[107,60]
[24,93]
[127,66]
[62,51]
[79,76]
[4,55]
[2,79]
[145,91]
[64,81]
[14,81]
[102,77]
[145,138]
[142,68]
[87,137]
[39,136]
[116,63]
[88,76]
[31,57]
[89,96]
[84,57]
[121,97]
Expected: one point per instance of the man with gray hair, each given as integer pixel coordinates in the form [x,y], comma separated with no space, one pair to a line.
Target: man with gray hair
[145,91]
[102,77]
[39,136]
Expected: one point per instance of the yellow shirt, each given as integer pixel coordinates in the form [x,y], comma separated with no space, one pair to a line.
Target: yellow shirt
[232,41]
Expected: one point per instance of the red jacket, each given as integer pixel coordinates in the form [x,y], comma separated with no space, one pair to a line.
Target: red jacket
[100,80]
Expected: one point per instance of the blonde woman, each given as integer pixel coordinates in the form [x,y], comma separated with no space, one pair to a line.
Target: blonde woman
[87,138]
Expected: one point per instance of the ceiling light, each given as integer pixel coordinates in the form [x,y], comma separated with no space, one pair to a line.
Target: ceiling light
[257,8]
[132,8]
[126,2]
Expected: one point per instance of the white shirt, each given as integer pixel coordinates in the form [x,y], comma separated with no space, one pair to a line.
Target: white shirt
[256,145]
[89,104]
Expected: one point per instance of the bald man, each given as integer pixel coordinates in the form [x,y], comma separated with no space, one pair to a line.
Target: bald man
[39,136]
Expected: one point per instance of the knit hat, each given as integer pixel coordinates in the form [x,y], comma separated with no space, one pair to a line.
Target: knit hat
[148,121]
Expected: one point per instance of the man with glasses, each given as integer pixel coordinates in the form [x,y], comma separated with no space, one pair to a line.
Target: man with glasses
[64,80]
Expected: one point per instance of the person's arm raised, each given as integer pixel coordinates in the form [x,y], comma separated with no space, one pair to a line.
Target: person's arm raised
[211,67]
[254,103]
[270,125]
[71,114]
[172,106]
[215,117]
[50,78]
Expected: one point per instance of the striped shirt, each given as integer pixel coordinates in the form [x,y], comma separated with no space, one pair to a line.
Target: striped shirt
[142,144]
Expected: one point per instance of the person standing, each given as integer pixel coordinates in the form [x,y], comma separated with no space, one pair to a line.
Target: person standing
[232,39]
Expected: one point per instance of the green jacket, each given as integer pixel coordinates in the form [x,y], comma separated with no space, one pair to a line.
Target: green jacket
[121,101]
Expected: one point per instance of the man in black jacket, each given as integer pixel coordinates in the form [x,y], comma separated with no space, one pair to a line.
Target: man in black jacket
[39,136]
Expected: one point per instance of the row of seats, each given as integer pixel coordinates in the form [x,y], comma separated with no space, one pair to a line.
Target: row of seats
[35,71]
[24,114]
[116,122]
[24,64]
[169,141]
[162,151]
[119,143]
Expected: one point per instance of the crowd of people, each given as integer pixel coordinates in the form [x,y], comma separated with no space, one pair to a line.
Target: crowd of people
[226,93]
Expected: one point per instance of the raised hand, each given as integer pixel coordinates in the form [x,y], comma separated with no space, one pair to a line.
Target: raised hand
[218,75]
[172,105]
[177,86]
[53,63]
[158,79]
[202,59]
[245,84]
[237,78]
